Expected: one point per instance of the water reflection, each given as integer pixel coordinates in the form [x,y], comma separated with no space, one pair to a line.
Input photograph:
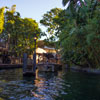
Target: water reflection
[62,85]
[48,86]
[13,86]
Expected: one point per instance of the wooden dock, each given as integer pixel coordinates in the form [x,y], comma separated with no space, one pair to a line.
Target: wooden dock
[10,66]
[49,67]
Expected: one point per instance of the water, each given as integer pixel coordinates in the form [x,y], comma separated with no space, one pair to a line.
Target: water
[64,85]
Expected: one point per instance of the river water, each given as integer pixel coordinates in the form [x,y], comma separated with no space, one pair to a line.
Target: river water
[63,85]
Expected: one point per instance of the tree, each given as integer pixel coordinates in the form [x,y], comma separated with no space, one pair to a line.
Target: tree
[2,19]
[48,21]
[29,30]
[74,2]
[78,32]
[20,32]
[10,18]
[80,36]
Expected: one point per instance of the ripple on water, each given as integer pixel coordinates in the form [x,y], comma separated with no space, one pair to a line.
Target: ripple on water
[48,86]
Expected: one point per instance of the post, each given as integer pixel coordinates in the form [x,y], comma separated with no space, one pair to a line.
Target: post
[38,57]
[34,58]
[24,62]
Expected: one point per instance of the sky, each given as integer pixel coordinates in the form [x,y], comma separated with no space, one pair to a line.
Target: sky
[32,8]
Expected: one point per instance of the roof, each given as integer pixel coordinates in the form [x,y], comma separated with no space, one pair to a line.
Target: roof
[40,50]
[46,47]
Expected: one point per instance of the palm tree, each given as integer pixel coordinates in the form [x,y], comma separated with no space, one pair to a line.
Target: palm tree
[76,9]
[67,2]
[74,2]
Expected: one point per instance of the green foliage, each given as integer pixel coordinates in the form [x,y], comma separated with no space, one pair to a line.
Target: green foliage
[19,33]
[48,22]
[1,19]
[29,30]
[78,31]
[80,34]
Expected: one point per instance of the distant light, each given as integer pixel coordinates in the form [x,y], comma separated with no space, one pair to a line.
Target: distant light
[35,38]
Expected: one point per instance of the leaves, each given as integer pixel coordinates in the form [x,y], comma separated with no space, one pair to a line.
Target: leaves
[80,33]
[19,32]
[1,19]
[52,26]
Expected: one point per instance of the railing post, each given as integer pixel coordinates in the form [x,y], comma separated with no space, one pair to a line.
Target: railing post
[34,62]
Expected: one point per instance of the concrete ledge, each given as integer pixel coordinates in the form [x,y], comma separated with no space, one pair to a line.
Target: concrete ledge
[87,70]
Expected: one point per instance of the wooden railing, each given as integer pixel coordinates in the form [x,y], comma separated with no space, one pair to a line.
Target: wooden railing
[16,60]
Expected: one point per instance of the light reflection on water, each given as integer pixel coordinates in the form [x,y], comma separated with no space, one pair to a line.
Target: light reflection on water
[13,86]
[62,85]
[49,85]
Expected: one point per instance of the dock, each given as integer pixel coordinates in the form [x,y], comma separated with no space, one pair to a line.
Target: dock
[49,67]
[10,66]
[40,66]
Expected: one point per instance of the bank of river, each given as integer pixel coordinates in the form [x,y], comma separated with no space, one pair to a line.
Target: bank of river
[63,85]
[86,70]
